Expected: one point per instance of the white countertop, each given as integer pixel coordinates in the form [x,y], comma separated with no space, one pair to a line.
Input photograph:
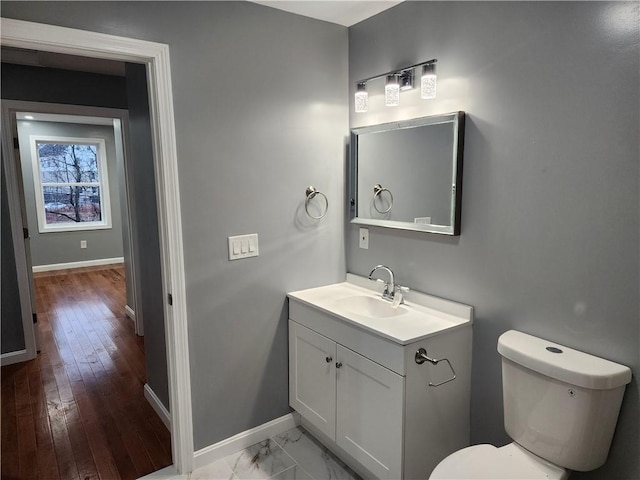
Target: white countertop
[421,316]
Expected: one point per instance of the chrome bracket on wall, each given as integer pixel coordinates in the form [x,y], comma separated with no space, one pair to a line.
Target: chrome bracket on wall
[421,357]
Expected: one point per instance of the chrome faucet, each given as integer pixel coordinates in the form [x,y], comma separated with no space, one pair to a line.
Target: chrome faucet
[392,291]
[390,286]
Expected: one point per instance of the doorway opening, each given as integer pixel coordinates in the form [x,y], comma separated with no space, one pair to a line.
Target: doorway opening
[155,59]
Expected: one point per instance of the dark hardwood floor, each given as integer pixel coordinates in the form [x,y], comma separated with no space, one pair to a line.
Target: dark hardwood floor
[78,411]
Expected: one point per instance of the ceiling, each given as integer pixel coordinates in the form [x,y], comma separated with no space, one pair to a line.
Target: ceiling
[342,12]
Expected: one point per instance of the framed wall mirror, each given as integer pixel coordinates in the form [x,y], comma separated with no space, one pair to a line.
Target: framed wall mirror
[408,175]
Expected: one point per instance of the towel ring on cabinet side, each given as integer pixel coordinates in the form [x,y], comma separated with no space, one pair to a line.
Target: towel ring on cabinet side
[311,193]
[377,190]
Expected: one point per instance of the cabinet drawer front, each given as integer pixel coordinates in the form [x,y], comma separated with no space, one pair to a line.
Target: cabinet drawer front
[312,378]
[379,349]
[370,400]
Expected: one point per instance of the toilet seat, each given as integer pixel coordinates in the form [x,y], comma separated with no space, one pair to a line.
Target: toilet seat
[511,462]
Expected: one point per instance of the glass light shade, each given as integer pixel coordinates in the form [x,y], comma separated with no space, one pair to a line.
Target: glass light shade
[428,82]
[361,99]
[392,92]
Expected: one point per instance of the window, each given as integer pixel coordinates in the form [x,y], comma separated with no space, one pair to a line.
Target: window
[71,184]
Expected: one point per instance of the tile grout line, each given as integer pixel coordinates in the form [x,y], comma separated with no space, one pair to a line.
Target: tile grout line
[292,458]
[295,462]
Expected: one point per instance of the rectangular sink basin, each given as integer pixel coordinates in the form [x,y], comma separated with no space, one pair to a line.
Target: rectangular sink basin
[359,302]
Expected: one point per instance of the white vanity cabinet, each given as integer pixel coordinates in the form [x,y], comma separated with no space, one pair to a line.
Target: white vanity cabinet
[349,398]
[357,387]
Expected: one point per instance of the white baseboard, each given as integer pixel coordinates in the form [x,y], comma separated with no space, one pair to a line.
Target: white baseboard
[84,263]
[157,405]
[167,473]
[10,358]
[245,439]
[129,312]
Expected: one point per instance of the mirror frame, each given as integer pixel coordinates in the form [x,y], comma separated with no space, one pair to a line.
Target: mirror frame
[457,119]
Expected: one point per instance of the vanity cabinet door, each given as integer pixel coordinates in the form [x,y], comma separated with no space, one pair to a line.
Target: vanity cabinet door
[370,400]
[312,377]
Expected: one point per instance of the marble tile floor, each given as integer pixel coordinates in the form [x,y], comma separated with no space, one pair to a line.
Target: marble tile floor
[292,455]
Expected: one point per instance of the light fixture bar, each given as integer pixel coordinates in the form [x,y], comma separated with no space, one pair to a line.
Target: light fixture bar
[398,71]
[406,80]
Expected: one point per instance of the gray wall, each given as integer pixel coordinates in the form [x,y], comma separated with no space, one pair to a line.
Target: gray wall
[550,205]
[37,84]
[11,329]
[64,247]
[260,100]
[145,229]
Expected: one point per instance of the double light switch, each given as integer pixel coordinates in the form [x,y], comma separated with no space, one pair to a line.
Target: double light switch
[243,246]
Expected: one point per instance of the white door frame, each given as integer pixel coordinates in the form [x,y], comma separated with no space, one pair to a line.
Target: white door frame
[49,38]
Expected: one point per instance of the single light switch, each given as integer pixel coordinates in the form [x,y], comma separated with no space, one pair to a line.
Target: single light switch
[243,246]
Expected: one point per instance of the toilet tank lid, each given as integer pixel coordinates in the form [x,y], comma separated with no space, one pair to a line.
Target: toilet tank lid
[562,363]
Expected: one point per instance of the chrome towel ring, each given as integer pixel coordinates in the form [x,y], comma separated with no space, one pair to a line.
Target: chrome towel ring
[377,190]
[311,193]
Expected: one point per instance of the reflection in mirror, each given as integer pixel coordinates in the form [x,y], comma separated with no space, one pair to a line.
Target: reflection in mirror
[408,174]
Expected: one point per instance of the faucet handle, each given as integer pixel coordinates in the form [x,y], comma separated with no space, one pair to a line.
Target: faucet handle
[398,294]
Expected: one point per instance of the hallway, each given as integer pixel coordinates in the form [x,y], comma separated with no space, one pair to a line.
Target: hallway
[78,411]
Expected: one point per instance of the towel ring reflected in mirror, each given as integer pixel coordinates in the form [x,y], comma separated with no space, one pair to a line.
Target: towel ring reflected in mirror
[377,191]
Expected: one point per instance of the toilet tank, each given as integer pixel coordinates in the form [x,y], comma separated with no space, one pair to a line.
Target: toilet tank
[560,404]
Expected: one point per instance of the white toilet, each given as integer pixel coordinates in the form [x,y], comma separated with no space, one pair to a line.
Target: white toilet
[560,408]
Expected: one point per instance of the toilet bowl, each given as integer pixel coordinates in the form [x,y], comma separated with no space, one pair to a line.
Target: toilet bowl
[560,407]
[487,462]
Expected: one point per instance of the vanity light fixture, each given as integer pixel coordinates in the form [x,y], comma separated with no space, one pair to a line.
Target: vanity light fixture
[392,91]
[396,81]
[362,98]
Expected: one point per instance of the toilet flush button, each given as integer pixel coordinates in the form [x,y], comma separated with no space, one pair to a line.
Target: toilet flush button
[554,350]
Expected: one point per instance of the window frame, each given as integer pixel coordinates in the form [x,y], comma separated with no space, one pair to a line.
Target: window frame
[102,183]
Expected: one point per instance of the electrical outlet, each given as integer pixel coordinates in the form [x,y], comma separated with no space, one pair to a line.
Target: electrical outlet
[83,244]
[364,238]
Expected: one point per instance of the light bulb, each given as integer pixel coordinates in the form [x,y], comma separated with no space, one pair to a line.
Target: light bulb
[428,81]
[361,98]
[392,91]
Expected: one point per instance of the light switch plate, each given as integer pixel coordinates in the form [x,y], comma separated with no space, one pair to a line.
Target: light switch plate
[364,238]
[243,246]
